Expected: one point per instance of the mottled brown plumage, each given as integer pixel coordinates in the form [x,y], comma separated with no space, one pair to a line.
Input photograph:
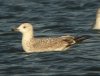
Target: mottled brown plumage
[31,44]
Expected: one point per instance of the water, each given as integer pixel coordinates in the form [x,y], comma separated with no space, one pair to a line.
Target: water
[49,17]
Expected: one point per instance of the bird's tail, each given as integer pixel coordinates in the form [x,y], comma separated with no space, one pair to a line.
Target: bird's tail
[81,38]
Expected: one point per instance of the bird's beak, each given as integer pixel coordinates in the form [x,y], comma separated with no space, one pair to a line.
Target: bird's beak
[15,29]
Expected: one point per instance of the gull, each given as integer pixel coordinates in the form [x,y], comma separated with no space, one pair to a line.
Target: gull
[97,22]
[31,44]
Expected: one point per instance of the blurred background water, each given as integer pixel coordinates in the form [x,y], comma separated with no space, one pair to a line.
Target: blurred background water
[49,17]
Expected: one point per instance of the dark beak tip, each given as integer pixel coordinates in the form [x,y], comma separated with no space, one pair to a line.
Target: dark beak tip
[14,29]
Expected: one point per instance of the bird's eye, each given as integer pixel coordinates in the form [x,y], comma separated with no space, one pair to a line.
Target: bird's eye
[24,27]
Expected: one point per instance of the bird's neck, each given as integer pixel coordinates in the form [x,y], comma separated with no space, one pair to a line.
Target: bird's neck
[27,41]
[28,36]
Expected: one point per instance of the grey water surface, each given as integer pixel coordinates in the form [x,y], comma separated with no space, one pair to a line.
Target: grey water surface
[49,18]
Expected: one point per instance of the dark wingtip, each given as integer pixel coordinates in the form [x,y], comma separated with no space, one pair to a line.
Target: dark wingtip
[82,38]
[86,36]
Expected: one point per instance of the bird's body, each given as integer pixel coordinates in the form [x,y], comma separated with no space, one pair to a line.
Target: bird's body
[44,44]
[47,44]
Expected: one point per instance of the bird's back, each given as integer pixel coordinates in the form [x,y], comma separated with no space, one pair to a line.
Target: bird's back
[53,43]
